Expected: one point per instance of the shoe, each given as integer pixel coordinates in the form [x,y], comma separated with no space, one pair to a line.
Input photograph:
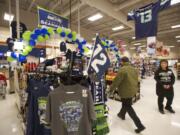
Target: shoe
[121,117]
[139,130]
[170,109]
[161,111]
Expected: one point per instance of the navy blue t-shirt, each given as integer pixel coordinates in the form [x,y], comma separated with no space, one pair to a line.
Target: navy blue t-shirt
[146,18]
[37,99]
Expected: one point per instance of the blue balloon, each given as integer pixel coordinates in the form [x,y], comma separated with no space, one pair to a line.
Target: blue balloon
[32,42]
[112,45]
[77,41]
[22,58]
[107,42]
[84,42]
[103,39]
[80,46]
[13,55]
[106,47]
[63,34]
[44,31]
[70,35]
[37,31]
[34,36]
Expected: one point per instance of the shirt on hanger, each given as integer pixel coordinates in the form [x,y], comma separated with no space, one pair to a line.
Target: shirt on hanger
[146,18]
[70,111]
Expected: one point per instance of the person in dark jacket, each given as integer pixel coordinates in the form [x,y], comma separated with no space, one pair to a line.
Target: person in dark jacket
[165,80]
[126,84]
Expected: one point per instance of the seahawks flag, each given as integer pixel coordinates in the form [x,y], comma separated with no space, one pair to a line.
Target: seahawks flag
[99,61]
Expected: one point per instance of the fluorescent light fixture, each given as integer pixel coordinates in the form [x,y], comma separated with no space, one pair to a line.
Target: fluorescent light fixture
[95,17]
[133,37]
[8,17]
[175,124]
[173,2]
[178,36]
[124,45]
[136,44]
[175,26]
[118,28]
[171,46]
[133,48]
[143,46]
[178,41]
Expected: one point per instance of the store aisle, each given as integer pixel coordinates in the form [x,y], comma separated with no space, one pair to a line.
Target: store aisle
[146,108]
[9,122]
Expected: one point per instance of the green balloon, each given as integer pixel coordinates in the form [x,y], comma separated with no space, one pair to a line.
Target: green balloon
[67,31]
[28,48]
[26,35]
[74,35]
[104,43]
[86,50]
[10,59]
[46,37]
[59,30]
[40,39]
[25,52]
[50,31]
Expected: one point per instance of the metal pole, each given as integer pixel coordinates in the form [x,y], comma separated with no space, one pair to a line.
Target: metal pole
[10,30]
[79,23]
[17,19]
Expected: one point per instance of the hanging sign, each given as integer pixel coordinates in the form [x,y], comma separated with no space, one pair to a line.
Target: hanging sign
[50,19]
[151,46]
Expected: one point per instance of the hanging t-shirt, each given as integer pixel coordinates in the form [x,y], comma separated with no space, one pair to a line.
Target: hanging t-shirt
[70,111]
[37,100]
[146,18]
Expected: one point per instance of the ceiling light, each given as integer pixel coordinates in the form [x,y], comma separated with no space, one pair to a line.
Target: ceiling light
[95,17]
[143,46]
[137,44]
[133,37]
[118,28]
[124,45]
[178,41]
[8,17]
[171,46]
[178,36]
[132,48]
[173,2]
[175,26]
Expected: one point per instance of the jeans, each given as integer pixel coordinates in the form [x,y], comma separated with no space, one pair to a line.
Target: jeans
[169,98]
[127,107]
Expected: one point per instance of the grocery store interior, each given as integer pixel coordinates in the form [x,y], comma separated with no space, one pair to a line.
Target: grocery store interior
[89,67]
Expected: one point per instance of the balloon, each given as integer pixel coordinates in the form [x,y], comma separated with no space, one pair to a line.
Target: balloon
[84,42]
[25,52]
[13,55]
[28,48]
[32,43]
[50,31]
[70,35]
[77,41]
[44,31]
[34,36]
[67,31]
[10,59]
[37,31]
[22,58]
[104,43]
[86,50]
[46,37]
[59,30]
[107,42]
[26,36]
[40,39]
[63,34]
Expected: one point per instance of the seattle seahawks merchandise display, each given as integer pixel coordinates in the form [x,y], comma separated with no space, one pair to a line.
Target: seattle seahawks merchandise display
[146,18]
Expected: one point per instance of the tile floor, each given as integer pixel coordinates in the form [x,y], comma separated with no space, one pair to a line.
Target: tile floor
[146,109]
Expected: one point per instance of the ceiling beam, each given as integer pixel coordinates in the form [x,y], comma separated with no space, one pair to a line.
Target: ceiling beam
[107,8]
[128,3]
[73,9]
[56,5]
[31,5]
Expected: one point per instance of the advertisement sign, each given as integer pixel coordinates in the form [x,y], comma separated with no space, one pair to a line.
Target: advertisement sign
[151,45]
[50,19]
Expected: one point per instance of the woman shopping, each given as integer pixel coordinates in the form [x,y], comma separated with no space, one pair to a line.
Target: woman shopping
[165,80]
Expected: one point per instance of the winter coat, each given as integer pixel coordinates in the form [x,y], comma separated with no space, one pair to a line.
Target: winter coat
[126,82]
[164,77]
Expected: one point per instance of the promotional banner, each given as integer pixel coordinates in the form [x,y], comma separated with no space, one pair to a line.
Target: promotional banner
[162,50]
[50,19]
[151,46]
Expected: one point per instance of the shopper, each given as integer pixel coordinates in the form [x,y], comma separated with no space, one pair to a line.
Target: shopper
[165,80]
[126,83]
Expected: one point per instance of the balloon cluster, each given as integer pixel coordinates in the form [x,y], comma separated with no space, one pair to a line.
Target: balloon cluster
[43,34]
[111,46]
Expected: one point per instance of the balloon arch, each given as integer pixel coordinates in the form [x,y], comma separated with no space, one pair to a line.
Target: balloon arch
[43,34]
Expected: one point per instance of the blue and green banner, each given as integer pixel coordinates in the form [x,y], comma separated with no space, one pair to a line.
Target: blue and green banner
[50,19]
